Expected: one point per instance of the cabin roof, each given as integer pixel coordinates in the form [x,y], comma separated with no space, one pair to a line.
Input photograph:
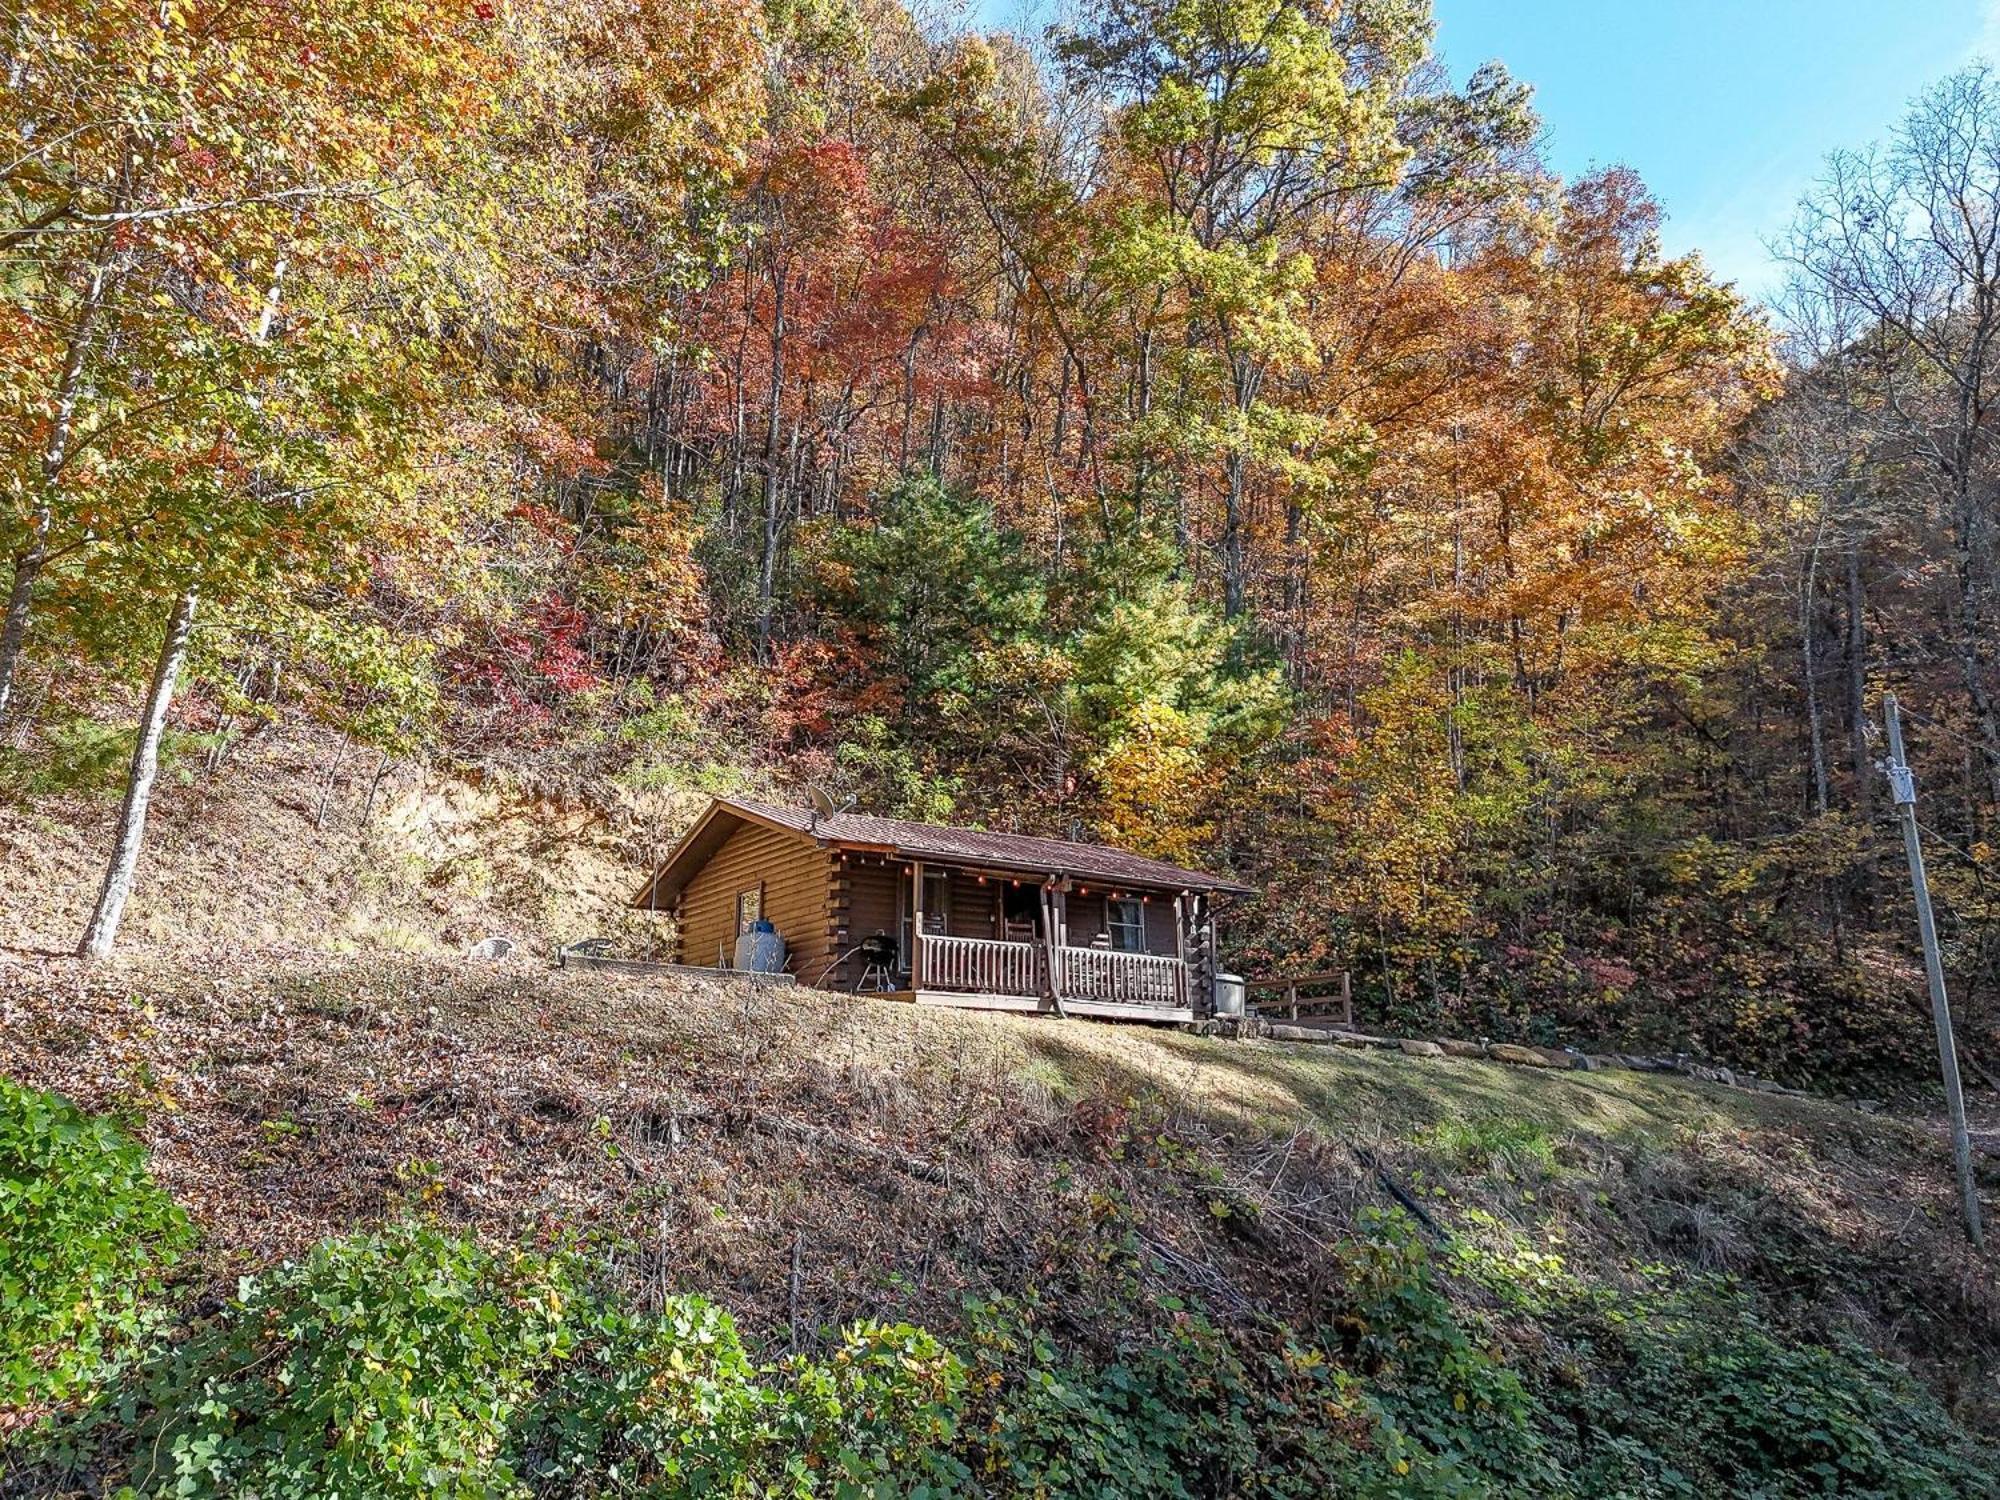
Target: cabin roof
[900,838]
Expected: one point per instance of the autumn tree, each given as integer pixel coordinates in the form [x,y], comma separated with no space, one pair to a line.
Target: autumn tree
[1897,250]
[170,171]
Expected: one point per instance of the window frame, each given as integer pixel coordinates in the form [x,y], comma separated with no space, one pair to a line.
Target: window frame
[1116,909]
[754,895]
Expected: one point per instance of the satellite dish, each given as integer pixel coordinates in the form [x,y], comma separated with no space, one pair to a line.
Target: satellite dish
[823,805]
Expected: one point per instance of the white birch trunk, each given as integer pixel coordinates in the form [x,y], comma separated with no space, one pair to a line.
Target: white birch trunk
[118,876]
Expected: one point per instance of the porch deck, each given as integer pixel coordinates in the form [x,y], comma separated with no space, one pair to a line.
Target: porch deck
[1013,974]
[1106,1010]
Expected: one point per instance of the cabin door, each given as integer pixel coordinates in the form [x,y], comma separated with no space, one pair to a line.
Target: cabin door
[937,910]
[1021,913]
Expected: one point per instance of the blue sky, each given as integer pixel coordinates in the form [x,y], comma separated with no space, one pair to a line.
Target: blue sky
[1726,109]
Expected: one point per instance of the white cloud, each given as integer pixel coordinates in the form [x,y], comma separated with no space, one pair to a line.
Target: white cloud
[1987,43]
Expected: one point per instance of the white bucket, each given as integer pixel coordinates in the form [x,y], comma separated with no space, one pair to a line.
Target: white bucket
[1229,994]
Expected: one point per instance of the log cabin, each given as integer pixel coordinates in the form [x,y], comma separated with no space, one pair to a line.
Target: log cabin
[945,916]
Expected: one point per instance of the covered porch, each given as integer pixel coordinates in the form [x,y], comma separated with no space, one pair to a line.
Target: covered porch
[988,937]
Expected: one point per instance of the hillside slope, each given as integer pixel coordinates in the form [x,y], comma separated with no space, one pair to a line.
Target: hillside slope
[293,1035]
[297,842]
[810,1160]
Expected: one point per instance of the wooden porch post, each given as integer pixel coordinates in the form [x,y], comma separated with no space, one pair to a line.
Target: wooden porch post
[1181,985]
[1215,949]
[916,925]
[1048,942]
[1055,932]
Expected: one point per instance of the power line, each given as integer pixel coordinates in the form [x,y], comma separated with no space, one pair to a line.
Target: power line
[1977,742]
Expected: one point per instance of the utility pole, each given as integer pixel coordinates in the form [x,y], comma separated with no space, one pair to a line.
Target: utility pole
[1903,788]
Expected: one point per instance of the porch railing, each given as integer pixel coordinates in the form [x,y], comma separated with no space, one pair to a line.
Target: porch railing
[985,966]
[991,966]
[1127,978]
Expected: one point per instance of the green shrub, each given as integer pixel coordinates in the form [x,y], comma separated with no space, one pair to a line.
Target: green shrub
[1158,1423]
[1552,1388]
[1837,1421]
[1681,1388]
[88,755]
[1434,1379]
[380,1365]
[85,1235]
[1693,1406]
[1184,1415]
[672,1405]
[414,1363]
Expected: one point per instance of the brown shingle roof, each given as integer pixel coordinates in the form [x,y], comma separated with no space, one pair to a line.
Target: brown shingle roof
[904,839]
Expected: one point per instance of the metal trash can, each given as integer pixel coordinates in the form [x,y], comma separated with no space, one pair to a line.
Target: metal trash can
[761,950]
[1228,994]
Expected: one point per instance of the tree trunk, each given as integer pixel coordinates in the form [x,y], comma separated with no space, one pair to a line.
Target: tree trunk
[767,571]
[1857,687]
[1232,537]
[1971,635]
[103,930]
[326,790]
[1809,651]
[20,600]
[1247,380]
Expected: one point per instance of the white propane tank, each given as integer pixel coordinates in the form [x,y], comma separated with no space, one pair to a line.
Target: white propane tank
[1229,994]
[761,950]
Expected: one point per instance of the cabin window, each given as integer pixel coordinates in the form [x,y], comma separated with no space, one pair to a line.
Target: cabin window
[1127,921]
[749,907]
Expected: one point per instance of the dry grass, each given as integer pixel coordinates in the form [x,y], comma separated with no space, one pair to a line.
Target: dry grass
[701,1130]
[301,1061]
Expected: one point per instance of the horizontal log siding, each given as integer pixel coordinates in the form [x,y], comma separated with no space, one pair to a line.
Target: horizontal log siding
[975,908]
[795,877]
[1088,918]
[870,891]
[868,896]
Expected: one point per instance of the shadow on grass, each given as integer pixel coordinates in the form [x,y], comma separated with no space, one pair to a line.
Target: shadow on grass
[1270,1086]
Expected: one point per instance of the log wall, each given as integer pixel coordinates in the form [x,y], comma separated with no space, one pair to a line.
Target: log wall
[794,876]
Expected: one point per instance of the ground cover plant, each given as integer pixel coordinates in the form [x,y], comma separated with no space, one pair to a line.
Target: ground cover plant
[1125,1270]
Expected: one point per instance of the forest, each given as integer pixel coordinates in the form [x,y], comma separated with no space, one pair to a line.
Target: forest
[1203,426]
[443,443]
